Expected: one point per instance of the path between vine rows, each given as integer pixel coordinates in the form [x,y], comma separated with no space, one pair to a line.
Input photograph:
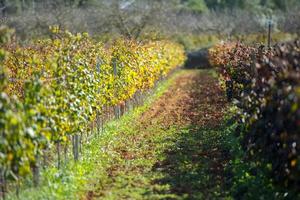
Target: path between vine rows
[172,150]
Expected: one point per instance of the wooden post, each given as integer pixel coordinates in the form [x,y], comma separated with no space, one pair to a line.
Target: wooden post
[229,90]
[99,114]
[58,154]
[116,107]
[44,159]
[269,33]
[75,139]
[253,65]
[36,171]
[102,123]
[65,154]
[80,142]
[3,184]
[98,123]
[18,188]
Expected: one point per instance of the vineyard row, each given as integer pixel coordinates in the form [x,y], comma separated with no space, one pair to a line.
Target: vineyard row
[55,90]
[264,84]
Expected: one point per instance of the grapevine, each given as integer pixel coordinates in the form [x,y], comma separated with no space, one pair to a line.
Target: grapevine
[53,89]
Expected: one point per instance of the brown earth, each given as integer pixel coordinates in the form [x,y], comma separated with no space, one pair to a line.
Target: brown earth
[194,99]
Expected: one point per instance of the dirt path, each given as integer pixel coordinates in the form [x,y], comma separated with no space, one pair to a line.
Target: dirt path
[173,150]
[193,99]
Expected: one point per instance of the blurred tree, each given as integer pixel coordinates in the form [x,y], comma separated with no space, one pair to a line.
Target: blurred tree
[286,4]
[223,4]
[197,6]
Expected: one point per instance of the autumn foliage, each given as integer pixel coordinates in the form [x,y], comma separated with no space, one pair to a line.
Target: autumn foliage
[52,89]
[265,86]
